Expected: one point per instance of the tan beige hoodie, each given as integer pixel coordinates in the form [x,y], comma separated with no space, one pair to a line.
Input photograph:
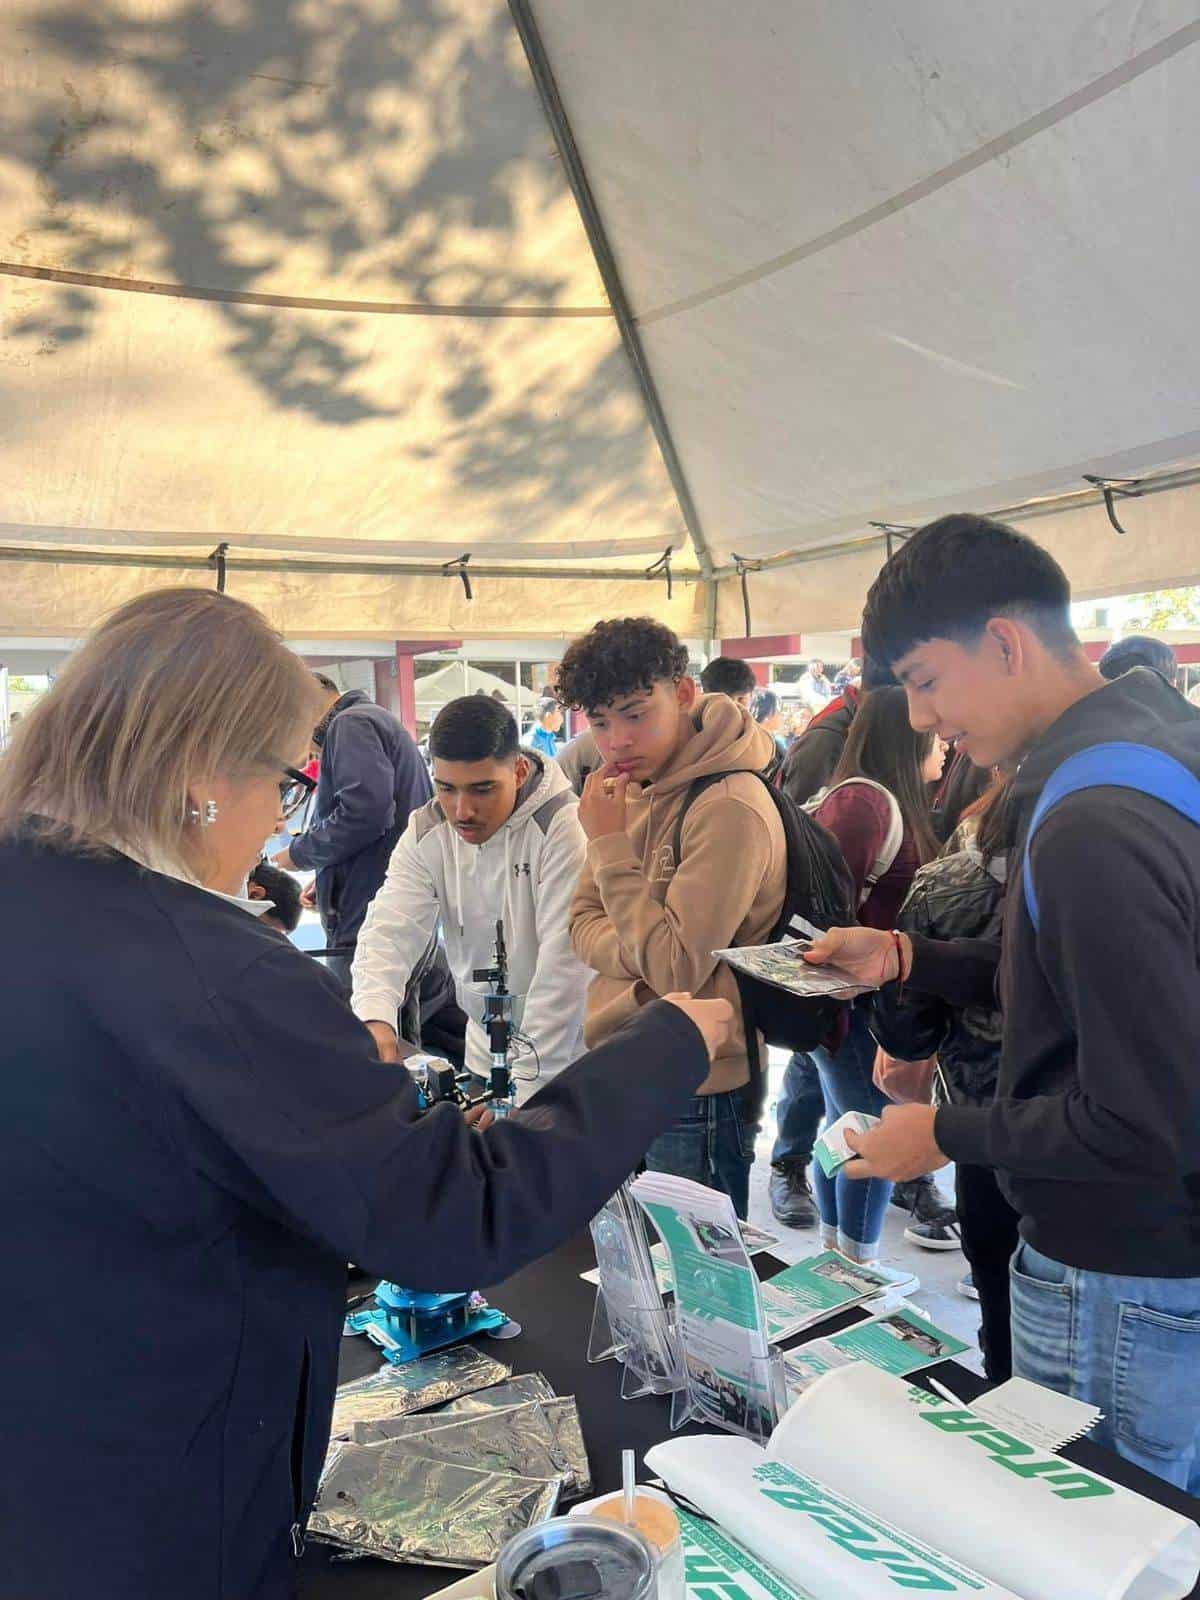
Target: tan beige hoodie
[646,924]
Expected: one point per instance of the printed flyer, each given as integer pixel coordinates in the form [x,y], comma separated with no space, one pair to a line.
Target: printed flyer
[813,1290]
[899,1343]
[719,1317]
[753,1238]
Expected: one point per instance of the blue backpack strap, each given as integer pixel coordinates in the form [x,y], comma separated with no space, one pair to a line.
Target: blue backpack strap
[1116,765]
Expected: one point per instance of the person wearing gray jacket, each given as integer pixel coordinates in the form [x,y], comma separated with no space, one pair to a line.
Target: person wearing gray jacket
[579,758]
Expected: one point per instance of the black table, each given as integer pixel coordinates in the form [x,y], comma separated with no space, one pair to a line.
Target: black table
[554,1307]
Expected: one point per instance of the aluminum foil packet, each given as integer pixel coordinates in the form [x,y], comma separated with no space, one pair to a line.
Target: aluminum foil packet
[563,1416]
[431,1381]
[560,1412]
[417,1386]
[518,1439]
[385,1500]
[517,1391]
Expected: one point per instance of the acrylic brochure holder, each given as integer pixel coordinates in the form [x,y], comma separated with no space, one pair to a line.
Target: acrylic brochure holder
[630,1323]
[750,1407]
[642,1339]
[720,1384]
[730,1377]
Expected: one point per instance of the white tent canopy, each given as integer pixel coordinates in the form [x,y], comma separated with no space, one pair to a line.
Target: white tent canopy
[458,678]
[311,282]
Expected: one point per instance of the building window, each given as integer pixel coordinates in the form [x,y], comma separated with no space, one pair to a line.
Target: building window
[518,683]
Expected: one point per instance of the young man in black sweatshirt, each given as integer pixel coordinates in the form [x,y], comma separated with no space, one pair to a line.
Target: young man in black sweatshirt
[1095,1130]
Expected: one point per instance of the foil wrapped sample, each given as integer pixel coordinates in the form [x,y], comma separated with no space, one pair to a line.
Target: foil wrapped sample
[563,1417]
[524,1387]
[418,1385]
[561,1412]
[388,1501]
[518,1439]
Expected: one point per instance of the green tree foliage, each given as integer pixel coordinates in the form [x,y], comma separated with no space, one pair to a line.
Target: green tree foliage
[1163,608]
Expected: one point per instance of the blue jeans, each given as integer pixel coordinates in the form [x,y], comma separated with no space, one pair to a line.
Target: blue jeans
[712,1143]
[1128,1345]
[854,1206]
[798,1112]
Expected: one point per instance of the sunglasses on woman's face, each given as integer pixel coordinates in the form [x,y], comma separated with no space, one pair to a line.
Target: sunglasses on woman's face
[294,789]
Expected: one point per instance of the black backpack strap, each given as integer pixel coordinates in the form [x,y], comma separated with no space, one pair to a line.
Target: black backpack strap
[694,790]
[756,1087]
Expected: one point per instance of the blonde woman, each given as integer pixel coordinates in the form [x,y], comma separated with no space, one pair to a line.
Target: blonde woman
[196,1135]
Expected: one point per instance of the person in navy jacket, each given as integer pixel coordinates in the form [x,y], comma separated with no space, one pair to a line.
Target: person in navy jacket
[196,1134]
[371,779]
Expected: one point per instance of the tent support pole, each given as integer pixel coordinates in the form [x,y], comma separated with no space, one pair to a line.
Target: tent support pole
[547,88]
[711,592]
[69,555]
[1045,505]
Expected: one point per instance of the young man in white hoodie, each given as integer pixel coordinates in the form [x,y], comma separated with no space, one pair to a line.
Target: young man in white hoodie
[500,842]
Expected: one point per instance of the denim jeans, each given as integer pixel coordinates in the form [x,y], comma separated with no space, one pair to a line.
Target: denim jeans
[854,1206]
[1128,1345]
[340,966]
[798,1112]
[712,1143]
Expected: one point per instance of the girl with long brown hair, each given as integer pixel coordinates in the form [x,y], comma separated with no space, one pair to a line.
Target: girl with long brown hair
[877,807]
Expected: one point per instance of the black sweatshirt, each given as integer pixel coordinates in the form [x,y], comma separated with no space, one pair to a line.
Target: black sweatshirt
[1095,1132]
[195,1137]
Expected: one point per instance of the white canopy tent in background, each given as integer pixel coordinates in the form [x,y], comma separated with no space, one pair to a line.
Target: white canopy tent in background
[458,678]
[358,288]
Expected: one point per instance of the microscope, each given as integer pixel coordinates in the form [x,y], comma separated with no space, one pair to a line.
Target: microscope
[437,1080]
[500,1025]
[406,1323]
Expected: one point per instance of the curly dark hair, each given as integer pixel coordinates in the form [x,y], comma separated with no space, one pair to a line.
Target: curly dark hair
[616,658]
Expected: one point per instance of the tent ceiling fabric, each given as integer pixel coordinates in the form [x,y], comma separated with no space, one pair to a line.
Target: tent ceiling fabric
[307,276]
[892,260]
[427,451]
[329,291]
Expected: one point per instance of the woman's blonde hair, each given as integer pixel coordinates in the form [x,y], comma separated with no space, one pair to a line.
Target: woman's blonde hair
[176,686]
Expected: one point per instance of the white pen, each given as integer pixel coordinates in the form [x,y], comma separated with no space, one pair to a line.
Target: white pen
[941,1389]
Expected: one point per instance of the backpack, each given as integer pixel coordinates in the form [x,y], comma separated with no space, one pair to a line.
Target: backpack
[893,839]
[1116,765]
[820,889]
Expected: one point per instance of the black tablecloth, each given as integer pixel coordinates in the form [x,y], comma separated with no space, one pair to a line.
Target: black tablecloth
[554,1308]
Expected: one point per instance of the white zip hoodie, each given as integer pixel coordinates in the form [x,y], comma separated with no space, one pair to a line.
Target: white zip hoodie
[524,875]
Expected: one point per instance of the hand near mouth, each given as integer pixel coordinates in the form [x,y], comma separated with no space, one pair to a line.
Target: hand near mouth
[602,804]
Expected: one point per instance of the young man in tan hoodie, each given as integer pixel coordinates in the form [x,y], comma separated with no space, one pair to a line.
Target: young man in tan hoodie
[646,924]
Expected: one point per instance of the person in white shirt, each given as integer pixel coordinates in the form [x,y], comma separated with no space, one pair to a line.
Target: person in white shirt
[814,687]
[500,842]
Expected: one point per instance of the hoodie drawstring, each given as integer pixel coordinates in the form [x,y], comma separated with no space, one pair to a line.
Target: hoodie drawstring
[505,902]
[458,894]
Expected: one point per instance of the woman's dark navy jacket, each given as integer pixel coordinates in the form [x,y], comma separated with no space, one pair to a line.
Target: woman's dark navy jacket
[195,1139]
